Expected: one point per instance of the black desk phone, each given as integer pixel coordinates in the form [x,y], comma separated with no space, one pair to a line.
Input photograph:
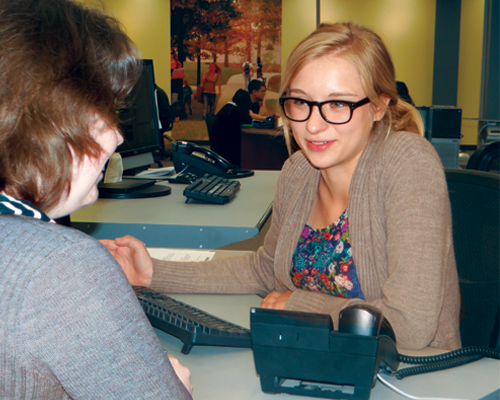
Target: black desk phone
[300,353]
[191,158]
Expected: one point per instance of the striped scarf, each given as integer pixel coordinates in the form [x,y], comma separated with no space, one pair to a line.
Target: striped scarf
[11,205]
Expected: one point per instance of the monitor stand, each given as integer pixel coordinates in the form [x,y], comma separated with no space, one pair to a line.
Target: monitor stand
[132,189]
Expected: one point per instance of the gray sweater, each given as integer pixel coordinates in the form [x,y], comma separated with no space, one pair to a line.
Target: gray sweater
[70,324]
[400,233]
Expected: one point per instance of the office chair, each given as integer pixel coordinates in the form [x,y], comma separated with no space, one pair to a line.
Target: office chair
[486,159]
[474,199]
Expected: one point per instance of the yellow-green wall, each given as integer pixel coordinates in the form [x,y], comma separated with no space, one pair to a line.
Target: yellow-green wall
[147,22]
[298,21]
[407,27]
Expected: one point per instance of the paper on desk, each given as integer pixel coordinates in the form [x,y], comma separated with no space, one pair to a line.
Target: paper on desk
[180,255]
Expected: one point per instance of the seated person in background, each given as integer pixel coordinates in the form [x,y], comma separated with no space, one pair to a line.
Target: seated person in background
[225,138]
[70,324]
[257,91]
[361,212]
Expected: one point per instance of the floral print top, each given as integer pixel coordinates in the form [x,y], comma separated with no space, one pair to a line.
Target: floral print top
[323,261]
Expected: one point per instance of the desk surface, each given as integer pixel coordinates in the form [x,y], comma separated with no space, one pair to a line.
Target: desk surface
[171,222]
[229,373]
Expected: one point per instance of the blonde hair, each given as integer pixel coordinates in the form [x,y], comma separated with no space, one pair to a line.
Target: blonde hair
[365,50]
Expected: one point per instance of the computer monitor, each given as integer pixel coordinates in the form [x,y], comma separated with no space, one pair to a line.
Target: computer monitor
[442,128]
[140,129]
[139,124]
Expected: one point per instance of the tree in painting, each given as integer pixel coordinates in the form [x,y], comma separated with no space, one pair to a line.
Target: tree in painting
[260,22]
[198,25]
[211,28]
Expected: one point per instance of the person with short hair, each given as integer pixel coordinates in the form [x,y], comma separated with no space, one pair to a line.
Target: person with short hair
[361,213]
[225,136]
[257,91]
[70,323]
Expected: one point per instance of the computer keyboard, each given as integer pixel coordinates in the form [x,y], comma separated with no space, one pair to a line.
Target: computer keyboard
[191,325]
[212,188]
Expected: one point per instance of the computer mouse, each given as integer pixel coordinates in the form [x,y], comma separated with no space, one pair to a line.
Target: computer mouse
[360,319]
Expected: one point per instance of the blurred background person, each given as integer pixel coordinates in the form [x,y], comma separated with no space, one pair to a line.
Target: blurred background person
[211,81]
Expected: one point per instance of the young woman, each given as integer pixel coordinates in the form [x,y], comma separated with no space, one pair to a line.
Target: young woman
[361,211]
[70,324]
[210,81]
[176,77]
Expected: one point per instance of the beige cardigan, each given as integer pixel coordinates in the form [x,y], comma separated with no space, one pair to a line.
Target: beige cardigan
[399,229]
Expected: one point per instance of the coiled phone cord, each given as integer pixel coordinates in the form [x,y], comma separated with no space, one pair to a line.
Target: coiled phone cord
[466,351]
[443,361]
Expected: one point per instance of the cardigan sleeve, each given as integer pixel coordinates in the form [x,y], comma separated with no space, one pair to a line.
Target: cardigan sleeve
[250,273]
[243,274]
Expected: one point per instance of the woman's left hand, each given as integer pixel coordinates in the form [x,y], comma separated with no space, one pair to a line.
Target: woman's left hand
[276,300]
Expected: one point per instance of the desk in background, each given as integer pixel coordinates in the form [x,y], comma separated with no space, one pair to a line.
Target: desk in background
[171,222]
[229,373]
[262,149]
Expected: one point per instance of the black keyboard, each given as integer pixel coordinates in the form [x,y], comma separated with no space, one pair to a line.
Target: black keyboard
[212,188]
[191,325]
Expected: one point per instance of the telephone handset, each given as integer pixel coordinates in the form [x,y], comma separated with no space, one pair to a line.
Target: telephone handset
[189,157]
[300,353]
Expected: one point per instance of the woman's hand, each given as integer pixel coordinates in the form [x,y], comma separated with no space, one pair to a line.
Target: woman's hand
[276,300]
[133,257]
[183,373]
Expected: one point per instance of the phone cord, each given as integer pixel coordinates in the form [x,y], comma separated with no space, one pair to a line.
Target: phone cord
[444,361]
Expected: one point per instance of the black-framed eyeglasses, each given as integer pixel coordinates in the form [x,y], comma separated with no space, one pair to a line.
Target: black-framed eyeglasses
[333,111]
